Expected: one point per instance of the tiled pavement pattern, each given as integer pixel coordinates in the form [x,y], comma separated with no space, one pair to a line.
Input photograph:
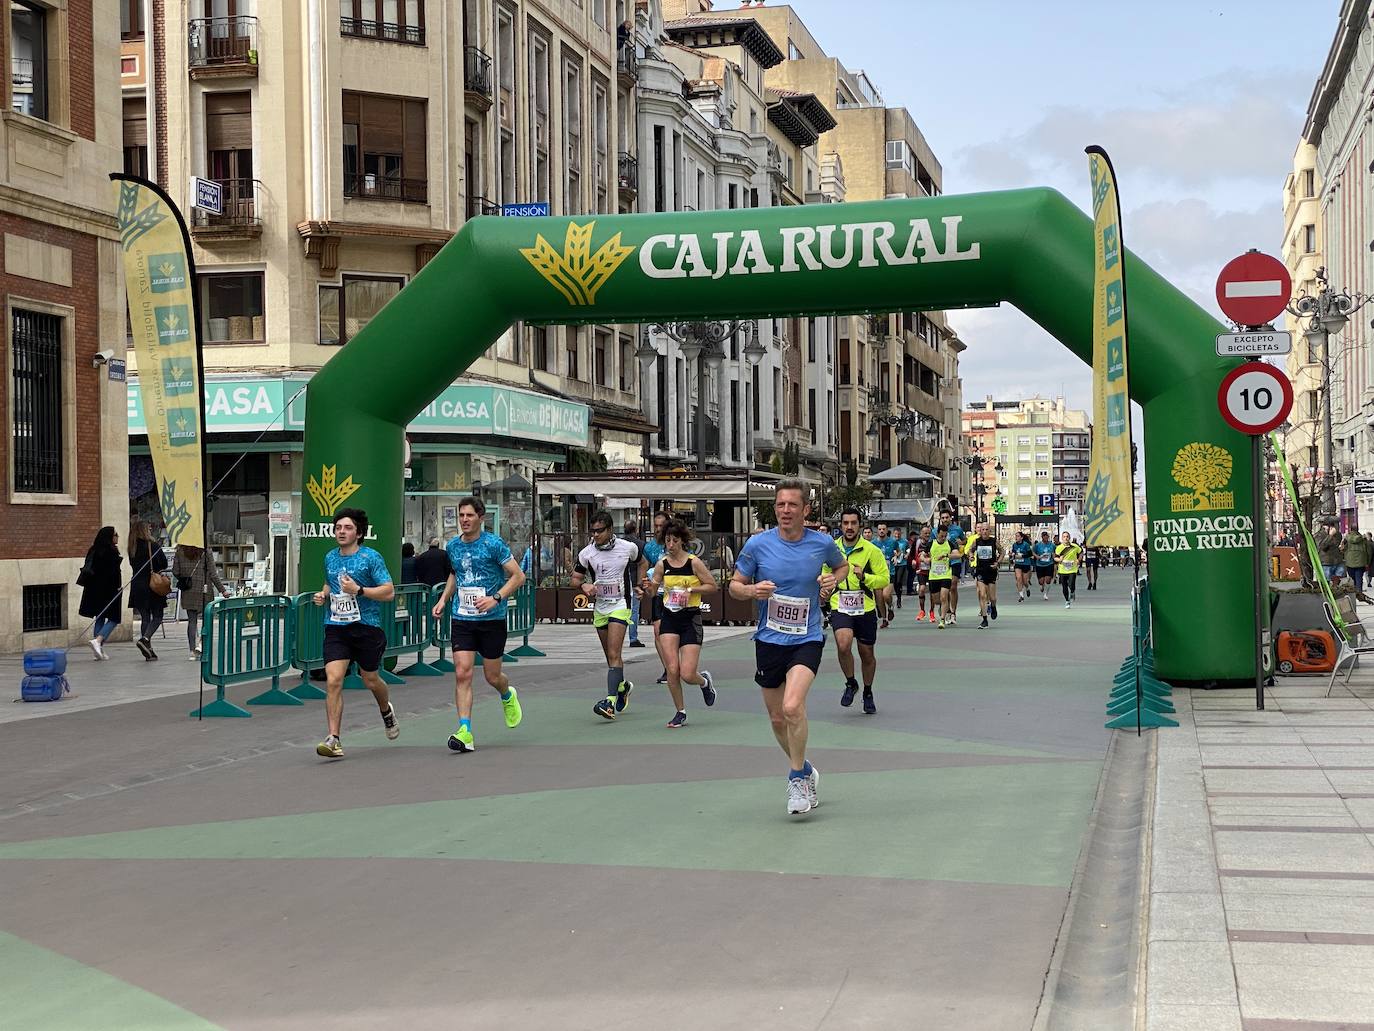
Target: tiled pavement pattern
[157,872]
[1262,884]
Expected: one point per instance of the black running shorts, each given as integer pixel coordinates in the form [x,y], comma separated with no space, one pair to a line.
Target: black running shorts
[685,624]
[774,660]
[486,637]
[1045,572]
[865,627]
[356,642]
[987,574]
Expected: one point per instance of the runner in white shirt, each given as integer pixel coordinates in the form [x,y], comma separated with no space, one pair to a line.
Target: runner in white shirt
[607,570]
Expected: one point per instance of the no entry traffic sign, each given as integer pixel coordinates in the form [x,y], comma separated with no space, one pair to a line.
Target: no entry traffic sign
[1255,398]
[1253,290]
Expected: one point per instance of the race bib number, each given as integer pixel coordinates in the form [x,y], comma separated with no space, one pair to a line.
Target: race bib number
[467,600]
[985,552]
[939,569]
[788,615]
[343,608]
[677,599]
[925,562]
[608,591]
[852,603]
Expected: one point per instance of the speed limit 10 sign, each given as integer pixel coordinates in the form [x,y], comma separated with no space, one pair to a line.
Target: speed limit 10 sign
[1255,398]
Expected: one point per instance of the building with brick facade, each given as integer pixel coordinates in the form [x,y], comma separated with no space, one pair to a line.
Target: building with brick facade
[64,445]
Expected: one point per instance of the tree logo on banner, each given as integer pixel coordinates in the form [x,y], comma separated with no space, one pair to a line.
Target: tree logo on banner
[1204,469]
[577,273]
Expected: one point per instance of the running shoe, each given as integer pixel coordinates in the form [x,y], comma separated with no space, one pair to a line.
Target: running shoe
[622,696]
[331,748]
[662,678]
[851,688]
[953,618]
[813,786]
[798,796]
[1068,604]
[992,610]
[870,708]
[605,708]
[95,647]
[461,740]
[708,688]
[512,709]
[679,720]
[984,624]
[942,624]
[393,730]
[886,623]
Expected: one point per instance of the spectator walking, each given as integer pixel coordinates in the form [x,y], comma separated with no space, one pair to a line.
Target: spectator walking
[433,566]
[195,574]
[632,535]
[102,589]
[1356,551]
[1330,551]
[147,563]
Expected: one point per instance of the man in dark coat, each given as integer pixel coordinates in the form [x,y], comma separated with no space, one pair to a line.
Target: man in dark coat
[432,566]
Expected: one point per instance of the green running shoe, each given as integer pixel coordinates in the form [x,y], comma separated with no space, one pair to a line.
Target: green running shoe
[512,709]
[461,740]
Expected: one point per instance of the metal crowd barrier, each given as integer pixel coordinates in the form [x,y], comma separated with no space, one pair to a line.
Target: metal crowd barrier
[308,654]
[409,623]
[245,639]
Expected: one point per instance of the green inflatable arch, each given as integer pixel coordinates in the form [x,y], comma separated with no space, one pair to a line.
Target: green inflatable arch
[1030,248]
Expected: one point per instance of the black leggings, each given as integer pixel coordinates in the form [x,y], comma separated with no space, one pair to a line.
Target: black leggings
[149,620]
[1068,581]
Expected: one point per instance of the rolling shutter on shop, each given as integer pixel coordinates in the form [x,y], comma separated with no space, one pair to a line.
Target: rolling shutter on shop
[228,121]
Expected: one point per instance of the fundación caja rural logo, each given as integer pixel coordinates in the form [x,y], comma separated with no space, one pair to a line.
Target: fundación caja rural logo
[1204,469]
[327,494]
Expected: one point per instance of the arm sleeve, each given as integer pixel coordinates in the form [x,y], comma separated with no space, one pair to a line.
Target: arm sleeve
[379,571]
[746,565]
[834,558]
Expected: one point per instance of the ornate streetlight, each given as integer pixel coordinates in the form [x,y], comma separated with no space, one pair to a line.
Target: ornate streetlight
[977,461]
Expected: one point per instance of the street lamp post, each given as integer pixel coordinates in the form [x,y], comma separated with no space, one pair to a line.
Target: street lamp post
[977,462]
[754,353]
[1327,312]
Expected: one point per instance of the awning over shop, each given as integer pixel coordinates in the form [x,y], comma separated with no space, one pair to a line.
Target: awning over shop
[710,488]
[903,473]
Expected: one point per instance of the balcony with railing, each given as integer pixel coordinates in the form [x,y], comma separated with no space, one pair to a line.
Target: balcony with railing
[374,186]
[390,32]
[477,78]
[223,47]
[482,206]
[627,64]
[241,217]
[627,176]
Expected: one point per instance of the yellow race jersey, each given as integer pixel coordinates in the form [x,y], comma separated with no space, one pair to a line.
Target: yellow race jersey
[868,572]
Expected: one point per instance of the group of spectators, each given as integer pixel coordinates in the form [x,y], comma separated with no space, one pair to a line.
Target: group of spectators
[1343,555]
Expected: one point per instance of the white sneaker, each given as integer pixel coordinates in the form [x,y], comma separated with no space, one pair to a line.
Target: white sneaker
[798,796]
[393,729]
[952,620]
[95,647]
[1068,604]
[813,784]
[192,657]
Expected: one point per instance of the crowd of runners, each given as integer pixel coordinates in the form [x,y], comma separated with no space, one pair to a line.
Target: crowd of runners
[802,581]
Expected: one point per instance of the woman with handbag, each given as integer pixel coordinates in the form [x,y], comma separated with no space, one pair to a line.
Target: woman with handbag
[149,585]
[102,589]
[195,572]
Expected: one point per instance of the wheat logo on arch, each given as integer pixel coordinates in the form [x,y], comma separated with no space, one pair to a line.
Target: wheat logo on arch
[1204,469]
[577,273]
[328,492]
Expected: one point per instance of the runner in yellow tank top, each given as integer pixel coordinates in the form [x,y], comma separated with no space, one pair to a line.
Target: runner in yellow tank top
[1067,557]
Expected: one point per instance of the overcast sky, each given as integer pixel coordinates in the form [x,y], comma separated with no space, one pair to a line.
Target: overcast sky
[1199,104]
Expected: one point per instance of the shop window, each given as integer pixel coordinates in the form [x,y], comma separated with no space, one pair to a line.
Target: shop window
[346,309]
[233,308]
[29,58]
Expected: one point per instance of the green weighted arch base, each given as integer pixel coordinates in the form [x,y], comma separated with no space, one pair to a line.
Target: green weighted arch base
[1030,248]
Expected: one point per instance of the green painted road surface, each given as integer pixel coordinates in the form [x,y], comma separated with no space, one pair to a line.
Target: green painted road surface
[571,873]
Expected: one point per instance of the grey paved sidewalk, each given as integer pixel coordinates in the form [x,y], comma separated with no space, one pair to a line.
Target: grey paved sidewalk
[128,677]
[1261,912]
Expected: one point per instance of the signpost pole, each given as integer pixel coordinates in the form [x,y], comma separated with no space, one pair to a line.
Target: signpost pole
[1260,540]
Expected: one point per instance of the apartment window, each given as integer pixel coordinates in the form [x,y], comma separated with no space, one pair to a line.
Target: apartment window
[541,129]
[601,143]
[660,156]
[508,344]
[732,196]
[777,399]
[811,340]
[1023,441]
[1309,239]
[384,147]
[44,607]
[899,157]
[232,303]
[1309,183]
[1313,457]
[229,143]
[601,359]
[130,19]
[1042,440]
[1042,456]
[599,13]
[396,21]
[136,136]
[1024,492]
[572,137]
[347,308]
[1023,474]
[29,58]
[505,104]
[37,402]
[627,364]
[572,342]
[539,348]
[811,411]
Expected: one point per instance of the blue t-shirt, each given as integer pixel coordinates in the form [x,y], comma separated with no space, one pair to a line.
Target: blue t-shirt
[368,569]
[478,565]
[653,551]
[1044,553]
[1021,553]
[888,546]
[793,566]
[954,533]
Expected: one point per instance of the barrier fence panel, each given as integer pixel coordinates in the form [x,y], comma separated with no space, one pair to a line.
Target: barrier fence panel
[407,620]
[440,632]
[308,653]
[520,620]
[246,639]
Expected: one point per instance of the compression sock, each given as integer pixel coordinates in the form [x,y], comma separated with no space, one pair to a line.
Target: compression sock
[465,723]
[615,676]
